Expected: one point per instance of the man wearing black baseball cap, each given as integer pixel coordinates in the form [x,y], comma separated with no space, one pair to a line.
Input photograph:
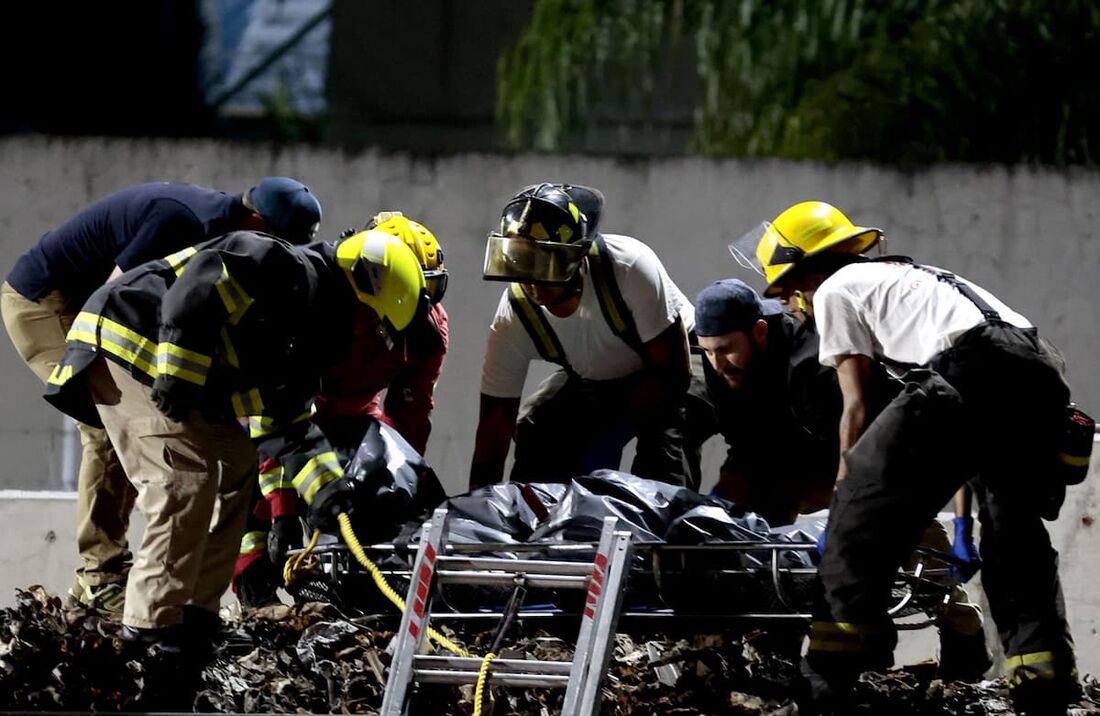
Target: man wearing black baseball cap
[287,208]
[50,283]
[771,401]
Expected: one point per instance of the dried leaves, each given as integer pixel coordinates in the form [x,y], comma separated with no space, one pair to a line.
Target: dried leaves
[310,659]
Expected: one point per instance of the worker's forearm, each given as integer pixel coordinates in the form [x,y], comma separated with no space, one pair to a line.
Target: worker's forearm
[486,473]
[487,466]
[963,502]
[851,427]
[652,395]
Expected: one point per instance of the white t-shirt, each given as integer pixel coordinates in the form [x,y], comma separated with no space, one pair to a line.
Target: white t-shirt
[590,346]
[896,313]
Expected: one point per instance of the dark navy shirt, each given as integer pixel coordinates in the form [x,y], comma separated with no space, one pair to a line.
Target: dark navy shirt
[138,224]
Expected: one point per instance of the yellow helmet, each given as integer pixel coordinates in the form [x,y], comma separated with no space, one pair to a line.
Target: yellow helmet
[384,273]
[806,229]
[422,242]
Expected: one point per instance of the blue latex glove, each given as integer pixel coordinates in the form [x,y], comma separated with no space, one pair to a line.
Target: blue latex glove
[607,451]
[821,543]
[965,550]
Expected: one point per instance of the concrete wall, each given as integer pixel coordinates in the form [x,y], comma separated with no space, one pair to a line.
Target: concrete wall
[1030,236]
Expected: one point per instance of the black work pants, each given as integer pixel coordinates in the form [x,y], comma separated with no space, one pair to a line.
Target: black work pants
[989,411]
[566,419]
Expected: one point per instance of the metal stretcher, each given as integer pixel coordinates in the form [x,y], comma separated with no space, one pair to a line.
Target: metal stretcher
[715,582]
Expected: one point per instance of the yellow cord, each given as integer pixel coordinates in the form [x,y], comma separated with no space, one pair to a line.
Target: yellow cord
[482,677]
[384,587]
[300,562]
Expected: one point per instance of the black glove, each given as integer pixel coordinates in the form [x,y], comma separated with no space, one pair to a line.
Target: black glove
[256,585]
[285,535]
[176,399]
[330,501]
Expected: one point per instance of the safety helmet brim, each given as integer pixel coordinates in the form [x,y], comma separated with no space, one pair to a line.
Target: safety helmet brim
[521,259]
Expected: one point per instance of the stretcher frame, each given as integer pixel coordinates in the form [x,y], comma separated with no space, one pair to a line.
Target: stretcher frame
[919,595]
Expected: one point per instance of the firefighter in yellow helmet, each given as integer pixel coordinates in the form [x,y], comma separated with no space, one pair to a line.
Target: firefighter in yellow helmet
[978,378]
[172,356]
[405,371]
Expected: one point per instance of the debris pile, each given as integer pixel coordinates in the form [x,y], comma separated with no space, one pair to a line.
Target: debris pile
[309,658]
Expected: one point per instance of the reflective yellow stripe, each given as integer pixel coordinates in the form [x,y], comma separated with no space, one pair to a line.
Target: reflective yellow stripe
[1027,667]
[130,346]
[178,260]
[273,480]
[840,636]
[230,352]
[247,403]
[253,541]
[1074,460]
[84,325]
[115,338]
[608,300]
[60,375]
[233,296]
[259,425]
[315,474]
[180,362]
[535,320]
[1037,657]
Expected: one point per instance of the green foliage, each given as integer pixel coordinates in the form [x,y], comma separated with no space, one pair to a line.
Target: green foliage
[892,80]
[576,54]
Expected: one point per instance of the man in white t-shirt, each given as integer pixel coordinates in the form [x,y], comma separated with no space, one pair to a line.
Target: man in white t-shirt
[985,402]
[604,309]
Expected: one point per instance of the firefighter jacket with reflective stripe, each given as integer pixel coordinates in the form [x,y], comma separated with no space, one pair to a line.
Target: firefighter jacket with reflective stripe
[242,325]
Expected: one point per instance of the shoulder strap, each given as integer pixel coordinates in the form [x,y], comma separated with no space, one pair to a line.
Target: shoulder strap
[615,311]
[540,330]
[988,312]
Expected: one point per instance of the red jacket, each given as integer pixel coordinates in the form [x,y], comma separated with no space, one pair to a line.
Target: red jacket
[353,387]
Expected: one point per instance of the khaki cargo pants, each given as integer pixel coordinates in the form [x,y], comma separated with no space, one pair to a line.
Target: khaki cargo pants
[105,497]
[194,480]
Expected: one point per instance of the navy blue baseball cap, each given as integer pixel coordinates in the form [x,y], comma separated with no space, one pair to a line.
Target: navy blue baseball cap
[730,305]
[289,208]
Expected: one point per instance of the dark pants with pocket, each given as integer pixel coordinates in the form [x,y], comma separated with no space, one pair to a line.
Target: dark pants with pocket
[988,411]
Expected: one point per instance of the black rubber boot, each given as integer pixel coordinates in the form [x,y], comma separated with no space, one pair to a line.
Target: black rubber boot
[963,657]
[1045,697]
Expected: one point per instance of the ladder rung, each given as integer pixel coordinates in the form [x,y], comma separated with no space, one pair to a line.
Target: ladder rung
[463,663]
[473,663]
[530,566]
[549,581]
[500,678]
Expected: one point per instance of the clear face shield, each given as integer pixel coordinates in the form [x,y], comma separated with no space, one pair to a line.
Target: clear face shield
[524,260]
[743,249]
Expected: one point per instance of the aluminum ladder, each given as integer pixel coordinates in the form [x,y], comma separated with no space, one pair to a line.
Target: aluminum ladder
[603,578]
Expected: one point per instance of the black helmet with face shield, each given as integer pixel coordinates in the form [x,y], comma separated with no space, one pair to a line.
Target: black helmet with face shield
[542,238]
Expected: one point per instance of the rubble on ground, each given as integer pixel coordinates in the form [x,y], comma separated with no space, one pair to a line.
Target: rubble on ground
[310,659]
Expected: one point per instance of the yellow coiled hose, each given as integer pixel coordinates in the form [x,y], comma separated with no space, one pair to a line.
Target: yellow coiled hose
[380,581]
[301,562]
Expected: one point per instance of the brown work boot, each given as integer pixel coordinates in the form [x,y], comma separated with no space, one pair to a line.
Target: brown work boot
[107,599]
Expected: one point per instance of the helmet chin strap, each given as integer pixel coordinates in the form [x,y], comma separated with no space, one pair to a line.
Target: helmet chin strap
[570,291]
